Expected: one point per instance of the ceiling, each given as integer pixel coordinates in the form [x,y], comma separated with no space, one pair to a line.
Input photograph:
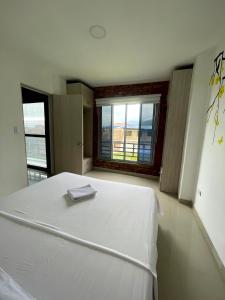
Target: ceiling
[145,39]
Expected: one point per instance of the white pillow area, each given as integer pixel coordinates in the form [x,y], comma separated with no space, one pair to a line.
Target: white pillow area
[10,290]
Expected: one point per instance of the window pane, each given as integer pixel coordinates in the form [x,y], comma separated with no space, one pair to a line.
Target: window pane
[106,134]
[146,133]
[34,118]
[130,136]
[133,114]
[118,131]
[35,176]
[36,151]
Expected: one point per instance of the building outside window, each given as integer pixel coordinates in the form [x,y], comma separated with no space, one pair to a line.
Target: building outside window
[128,128]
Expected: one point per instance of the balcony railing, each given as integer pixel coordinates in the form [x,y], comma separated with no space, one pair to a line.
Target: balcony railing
[126,151]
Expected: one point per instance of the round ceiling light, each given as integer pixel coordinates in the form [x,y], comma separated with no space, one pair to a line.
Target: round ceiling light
[97,31]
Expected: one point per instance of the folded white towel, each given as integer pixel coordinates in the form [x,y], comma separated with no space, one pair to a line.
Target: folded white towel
[83,192]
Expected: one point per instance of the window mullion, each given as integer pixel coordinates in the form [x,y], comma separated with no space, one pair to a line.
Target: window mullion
[36,135]
[125,134]
[139,132]
[112,114]
[154,129]
[153,134]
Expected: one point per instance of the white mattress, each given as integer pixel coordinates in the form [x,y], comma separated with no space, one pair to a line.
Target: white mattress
[122,218]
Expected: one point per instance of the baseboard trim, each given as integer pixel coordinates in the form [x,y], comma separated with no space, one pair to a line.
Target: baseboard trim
[156,178]
[186,202]
[210,244]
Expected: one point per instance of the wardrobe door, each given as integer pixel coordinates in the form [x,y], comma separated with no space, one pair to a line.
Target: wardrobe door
[178,101]
[68,137]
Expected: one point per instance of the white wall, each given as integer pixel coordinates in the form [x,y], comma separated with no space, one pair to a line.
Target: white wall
[210,194]
[195,127]
[203,169]
[15,70]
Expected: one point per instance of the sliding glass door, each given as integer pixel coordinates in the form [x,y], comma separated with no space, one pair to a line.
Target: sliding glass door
[36,124]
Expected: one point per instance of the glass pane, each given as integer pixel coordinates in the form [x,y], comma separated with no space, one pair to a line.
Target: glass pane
[36,151]
[34,118]
[133,114]
[146,133]
[106,133]
[118,131]
[35,176]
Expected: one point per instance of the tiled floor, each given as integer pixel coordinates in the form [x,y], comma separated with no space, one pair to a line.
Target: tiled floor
[186,268]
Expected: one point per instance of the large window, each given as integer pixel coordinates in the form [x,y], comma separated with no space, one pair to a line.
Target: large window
[35,112]
[128,129]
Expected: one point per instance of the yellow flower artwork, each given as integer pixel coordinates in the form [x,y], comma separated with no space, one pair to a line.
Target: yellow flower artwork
[217,79]
[220,140]
[221,91]
[212,80]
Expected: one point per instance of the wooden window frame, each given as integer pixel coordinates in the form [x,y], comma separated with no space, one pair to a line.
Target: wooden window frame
[133,90]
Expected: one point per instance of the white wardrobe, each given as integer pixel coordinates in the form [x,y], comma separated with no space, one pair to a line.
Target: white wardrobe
[178,102]
[73,129]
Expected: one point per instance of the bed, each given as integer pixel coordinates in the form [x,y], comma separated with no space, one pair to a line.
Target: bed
[95,249]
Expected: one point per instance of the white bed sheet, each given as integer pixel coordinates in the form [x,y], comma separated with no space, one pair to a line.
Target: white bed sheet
[121,217]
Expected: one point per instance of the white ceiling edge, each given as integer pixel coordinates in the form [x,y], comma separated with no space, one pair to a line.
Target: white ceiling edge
[143,43]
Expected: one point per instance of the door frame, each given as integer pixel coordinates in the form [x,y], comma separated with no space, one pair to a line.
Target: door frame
[30,95]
